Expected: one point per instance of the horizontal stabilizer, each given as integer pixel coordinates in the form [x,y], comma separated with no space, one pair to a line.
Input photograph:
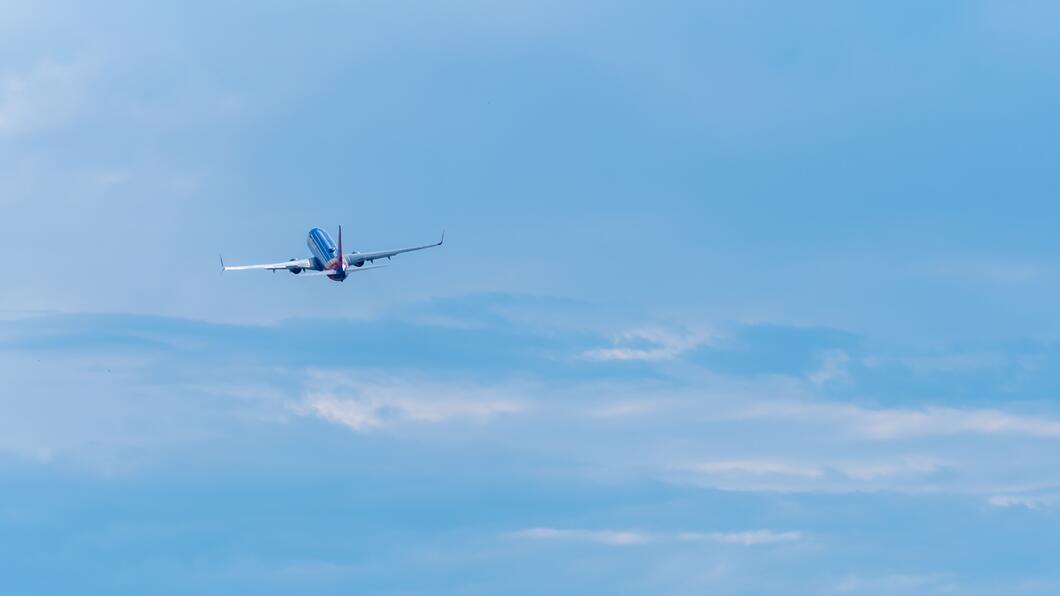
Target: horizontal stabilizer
[312,273]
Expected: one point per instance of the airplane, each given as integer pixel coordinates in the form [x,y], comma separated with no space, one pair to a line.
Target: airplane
[325,260]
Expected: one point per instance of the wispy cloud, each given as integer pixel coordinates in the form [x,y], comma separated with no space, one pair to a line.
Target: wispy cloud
[609,537]
[631,537]
[45,96]
[1033,502]
[649,344]
[880,469]
[749,538]
[368,412]
[895,584]
[759,468]
[801,475]
[623,409]
[885,424]
[362,402]
[900,423]
[833,367]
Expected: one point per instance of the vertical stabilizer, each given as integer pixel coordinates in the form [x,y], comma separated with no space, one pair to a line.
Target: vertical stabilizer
[340,266]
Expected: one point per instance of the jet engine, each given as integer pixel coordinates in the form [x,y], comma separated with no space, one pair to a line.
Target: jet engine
[294,270]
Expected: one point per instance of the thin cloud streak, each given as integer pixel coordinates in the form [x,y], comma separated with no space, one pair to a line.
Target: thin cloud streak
[649,344]
[366,401]
[759,468]
[629,537]
[365,413]
[902,474]
[885,424]
[1032,502]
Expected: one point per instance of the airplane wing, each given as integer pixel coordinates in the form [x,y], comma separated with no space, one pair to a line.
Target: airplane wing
[296,264]
[371,257]
[332,271]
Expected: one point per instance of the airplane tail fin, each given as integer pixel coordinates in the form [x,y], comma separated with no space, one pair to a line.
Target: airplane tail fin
[341,265]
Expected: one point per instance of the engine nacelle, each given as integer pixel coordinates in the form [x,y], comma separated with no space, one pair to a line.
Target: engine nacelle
[294,270]
[359,263]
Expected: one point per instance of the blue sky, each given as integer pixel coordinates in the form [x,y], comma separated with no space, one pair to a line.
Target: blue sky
[736,298]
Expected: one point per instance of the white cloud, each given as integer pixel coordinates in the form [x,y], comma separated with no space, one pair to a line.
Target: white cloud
[609,537]
[895,584]
[350,413]
[627,537]
[877,469]
[363,402]
[622,409]
[884,424]
[750,538]
[367,412]
[648,344]
[833,367]
[828,476]
[899,423]
[1032,502]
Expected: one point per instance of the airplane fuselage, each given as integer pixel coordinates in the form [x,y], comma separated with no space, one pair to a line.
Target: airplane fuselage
[324,252]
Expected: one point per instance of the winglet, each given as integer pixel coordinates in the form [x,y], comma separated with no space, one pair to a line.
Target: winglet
[442,241]
[222,263]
